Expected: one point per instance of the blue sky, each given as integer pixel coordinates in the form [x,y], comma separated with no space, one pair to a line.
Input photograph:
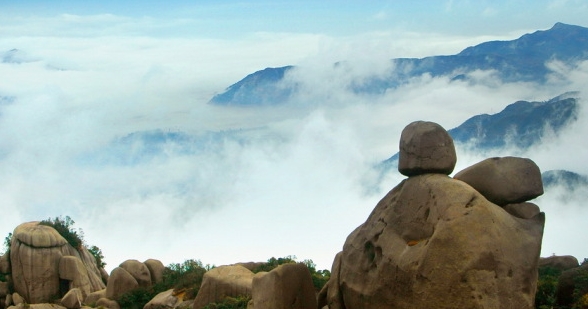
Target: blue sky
[231,19]
[91,73]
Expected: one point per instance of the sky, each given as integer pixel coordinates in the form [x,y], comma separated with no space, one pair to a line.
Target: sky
[259,182]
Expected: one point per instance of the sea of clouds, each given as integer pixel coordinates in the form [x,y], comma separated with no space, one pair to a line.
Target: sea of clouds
[232,184]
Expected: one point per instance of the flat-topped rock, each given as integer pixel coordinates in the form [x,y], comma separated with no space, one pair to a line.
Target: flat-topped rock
[506,180]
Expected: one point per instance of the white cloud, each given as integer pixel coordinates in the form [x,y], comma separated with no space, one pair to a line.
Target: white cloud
[291,182]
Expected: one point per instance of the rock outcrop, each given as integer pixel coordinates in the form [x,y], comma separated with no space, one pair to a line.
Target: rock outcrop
[164,300]
[37,271]
[119,283]
[221,282]
[505,180]
[436,242]
[561,262]
[289,286]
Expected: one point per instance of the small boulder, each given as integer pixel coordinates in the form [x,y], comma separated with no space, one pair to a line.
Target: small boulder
[17,299]
[426,147]
[120,282]
[289,286]
[523,210]
[139,271]
[156,269]
[506,180]
[72,299]
[93,298]
[164,300]
[221,282]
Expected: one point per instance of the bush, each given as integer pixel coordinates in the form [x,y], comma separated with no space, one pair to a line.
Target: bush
[64,226]
[546,287]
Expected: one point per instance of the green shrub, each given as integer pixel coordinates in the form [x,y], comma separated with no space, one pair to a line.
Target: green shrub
[64,226]
[185,277]
[97,253]
[546,286]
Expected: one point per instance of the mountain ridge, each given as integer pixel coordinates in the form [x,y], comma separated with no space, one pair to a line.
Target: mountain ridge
[521,59]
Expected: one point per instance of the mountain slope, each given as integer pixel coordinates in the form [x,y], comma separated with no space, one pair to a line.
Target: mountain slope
[522,59]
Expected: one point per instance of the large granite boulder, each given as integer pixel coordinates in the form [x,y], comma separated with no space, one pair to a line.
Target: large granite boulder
[119,283]
[435,242]
[156,269]
[426,147]
[139,271]
[35,254]
[289,286]
[221,282]
[506,180]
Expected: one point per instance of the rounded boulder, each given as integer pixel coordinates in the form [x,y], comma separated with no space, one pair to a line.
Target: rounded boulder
[426,147]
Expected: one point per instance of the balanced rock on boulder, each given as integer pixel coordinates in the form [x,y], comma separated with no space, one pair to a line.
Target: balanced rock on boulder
[504,180]
[435,242]
[426,147]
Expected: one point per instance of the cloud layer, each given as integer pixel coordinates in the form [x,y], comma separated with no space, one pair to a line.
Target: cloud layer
[229,184]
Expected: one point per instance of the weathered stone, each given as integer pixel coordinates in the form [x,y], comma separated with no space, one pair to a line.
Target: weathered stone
[73,299]
[289,286]
[139,271]
[156,269]
[104,275]
[17,299]
[426,147]
[507,180]
[93,297]
[164,300]
[223,281]
[120,282]
[35,254]
[8,301]
[562,262]
[434,242]
[71,268]
[107,303]
[523,210]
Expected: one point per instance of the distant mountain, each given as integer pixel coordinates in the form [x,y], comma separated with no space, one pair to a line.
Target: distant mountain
[522,59]
[144,146]
[568,180]
[520,124]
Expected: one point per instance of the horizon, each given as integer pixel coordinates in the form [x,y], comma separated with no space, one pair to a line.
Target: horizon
[293,181]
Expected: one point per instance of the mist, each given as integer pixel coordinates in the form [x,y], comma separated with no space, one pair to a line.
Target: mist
[117,133]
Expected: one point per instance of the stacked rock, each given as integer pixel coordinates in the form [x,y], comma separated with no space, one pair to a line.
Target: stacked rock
[438,242]
[508,182]
[426,147]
